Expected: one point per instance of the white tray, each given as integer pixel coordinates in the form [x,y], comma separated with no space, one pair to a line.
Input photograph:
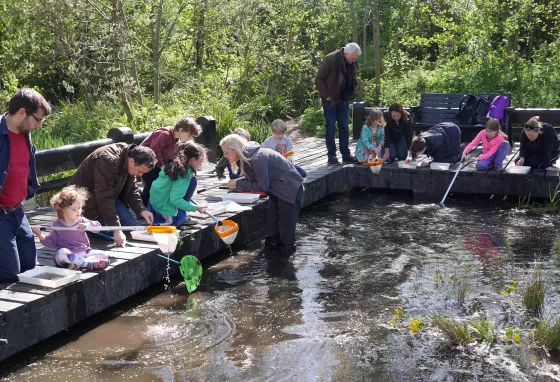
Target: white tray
[518,169]
[404,165]
[50,277]
[144,236]
[241,198]
[439,166]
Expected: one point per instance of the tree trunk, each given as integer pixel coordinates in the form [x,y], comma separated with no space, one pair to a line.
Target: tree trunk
[364,42]
[120,72]
[156,49]
[376,49]
[396,51]
[199,39]
[354,21]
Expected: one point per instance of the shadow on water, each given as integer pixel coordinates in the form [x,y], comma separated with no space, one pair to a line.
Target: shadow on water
[323,313]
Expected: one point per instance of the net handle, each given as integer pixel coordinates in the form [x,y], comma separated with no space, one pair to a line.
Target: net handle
[150,228]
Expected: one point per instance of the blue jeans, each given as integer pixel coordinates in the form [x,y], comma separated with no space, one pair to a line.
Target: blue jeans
[333,114]
[124,214]
[181,216]
[17,246]
[398,149]
[495,160]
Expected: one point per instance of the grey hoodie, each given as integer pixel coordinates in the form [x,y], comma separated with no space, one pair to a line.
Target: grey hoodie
[269,172]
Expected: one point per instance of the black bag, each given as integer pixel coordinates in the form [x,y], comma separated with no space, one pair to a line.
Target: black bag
[482,107]
[467,108]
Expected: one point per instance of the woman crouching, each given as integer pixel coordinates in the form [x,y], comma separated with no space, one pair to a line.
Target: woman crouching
[267,171]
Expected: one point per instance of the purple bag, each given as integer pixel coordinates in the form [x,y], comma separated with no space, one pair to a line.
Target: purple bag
[497,108]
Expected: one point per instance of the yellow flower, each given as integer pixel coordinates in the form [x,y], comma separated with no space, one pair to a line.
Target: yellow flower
[458,278]
[515,283]
[511,288]
[517,338]
[414,325]
[503,292]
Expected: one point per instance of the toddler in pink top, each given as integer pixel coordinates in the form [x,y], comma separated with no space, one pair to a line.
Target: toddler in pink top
[73,250]
[494,147]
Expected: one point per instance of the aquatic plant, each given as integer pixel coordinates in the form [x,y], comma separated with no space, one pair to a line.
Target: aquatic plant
[533,295]
[546,334]
[485,330]
[510,289]
[399,315]
[461,289]
[456,332]
[414,325]
[512,335]
[438,278]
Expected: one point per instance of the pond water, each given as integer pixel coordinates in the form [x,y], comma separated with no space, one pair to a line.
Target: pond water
[323,314]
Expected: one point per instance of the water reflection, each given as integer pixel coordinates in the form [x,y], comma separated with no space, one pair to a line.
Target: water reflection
[322,314]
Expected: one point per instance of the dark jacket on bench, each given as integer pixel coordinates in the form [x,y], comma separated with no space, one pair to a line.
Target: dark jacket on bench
[443,141]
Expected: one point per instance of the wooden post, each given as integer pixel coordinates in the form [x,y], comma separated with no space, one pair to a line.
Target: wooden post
[357,118]
[208,137]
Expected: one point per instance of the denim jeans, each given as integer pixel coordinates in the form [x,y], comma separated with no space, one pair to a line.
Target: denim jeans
[497,158]
[124,214]
[333,114]
[17,246]
[148,178]
[398,149]
[181,217]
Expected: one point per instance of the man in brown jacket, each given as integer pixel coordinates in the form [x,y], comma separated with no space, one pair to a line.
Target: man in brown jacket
[109,174]
[336,83]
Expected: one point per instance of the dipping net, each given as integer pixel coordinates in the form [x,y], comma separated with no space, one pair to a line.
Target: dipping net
[227,231]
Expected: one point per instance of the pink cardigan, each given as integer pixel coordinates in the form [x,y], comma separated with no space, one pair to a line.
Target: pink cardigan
[488,147]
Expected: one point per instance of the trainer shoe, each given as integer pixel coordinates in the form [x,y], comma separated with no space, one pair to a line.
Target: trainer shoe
[350,160]
[333,161]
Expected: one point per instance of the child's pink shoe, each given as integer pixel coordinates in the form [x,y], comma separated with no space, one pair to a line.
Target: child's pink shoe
[97,265]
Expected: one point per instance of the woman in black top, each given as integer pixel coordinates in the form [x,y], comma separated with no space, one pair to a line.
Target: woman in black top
[398,132]
[540,147]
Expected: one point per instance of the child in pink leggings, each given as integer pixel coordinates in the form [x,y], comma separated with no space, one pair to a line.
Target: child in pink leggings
[73,247]
[494,147]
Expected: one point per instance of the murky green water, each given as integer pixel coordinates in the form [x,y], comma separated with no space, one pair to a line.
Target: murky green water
[323,314]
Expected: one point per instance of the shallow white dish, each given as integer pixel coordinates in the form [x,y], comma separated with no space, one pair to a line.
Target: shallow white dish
[241,198]
[404,165]
[144,236]
[518,169]
[50,277]
[439,166]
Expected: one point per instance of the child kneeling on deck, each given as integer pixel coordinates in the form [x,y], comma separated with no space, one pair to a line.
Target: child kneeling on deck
[280,143]
[372,138]
[494,147]
[172,191]
[73,250]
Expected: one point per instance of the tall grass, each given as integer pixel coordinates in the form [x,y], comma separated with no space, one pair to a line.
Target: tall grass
[533,295]
[547,334]
[485,329]
[456,332]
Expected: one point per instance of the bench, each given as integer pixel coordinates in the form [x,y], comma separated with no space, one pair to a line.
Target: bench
[515,116]
[434,108]
[66,158]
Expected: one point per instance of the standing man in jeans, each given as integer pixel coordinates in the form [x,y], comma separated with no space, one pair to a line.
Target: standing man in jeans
[109,174]
[336,83]
[27,111]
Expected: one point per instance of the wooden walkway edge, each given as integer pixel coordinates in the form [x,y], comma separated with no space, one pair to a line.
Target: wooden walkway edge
[29,314]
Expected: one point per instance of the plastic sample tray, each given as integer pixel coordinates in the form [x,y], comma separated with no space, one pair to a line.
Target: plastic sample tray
[439,166]
[518,169]
[50,277]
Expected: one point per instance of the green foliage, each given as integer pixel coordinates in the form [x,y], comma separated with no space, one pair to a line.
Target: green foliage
[547,334]
[485,330]
[313,121]
[456,332]
[533,295]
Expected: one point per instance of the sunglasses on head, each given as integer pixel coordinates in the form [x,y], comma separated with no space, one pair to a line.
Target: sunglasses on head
[528,127]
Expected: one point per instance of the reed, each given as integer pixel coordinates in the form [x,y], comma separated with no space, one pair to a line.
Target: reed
[533,295]
[456,332]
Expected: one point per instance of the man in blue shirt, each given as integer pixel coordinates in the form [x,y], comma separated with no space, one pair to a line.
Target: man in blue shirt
[27,110]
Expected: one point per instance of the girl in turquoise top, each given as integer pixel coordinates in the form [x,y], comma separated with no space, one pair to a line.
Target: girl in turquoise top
[170,193]
[372,138]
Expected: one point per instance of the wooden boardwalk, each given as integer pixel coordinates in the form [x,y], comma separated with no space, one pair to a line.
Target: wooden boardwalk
[29,314]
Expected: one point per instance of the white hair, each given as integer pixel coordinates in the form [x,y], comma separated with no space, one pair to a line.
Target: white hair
[352,48]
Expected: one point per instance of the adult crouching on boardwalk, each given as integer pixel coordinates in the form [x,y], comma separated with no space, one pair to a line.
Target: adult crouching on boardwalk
[398,133]
[337,85]
[109,174]
[442,143]
[27,111]
[267,171]
[539,146]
